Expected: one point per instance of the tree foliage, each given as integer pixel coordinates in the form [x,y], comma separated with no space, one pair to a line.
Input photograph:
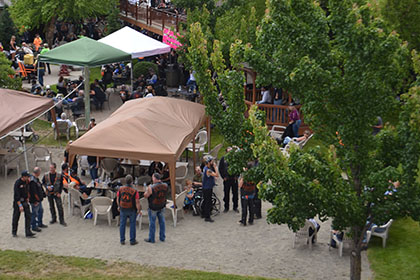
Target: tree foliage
[346,69]
[404,17]
[7,28]
[6,81]
[44,13]
[113,18]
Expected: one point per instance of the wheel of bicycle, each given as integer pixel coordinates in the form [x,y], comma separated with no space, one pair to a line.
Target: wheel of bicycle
[215,203]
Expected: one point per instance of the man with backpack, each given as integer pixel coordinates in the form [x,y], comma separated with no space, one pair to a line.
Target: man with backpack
[156,195]
[128,201]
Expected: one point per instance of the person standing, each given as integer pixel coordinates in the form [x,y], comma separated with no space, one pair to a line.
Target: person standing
[53,183]
[230,182]
[156,195]
[247,198]
[44,50]
[21,204]
[37,194]
[37,42]
[209,175]
[128,201]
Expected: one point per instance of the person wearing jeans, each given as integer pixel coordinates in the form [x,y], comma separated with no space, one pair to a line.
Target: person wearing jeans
[128,201]
[152,221]
[156,195]
[36,196]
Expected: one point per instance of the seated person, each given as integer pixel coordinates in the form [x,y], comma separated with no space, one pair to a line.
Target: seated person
[78,104]
[297,140]
[149,91]
[61,85]
[92,123]
[137,94]
[288,132]
[79,185]
[140,82]
[49,92]
[266,96]
[124,94]
[311,231]
[339,235]
[153,78]
[63,118]
[107,76]
[189,196]
[198,177]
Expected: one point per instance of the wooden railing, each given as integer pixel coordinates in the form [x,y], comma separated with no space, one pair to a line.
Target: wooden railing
[155,19]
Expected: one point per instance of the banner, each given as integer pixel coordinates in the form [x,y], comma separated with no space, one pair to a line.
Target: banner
[171,39]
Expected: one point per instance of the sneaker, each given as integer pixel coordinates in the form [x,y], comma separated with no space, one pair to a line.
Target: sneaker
[63,224]
[226,210]
[133,243]
[43,226]
[122,242]
[53,222]
[36,229]
[148,240]
[210,220]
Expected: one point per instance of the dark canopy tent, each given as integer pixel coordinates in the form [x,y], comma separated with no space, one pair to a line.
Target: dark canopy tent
[85,52]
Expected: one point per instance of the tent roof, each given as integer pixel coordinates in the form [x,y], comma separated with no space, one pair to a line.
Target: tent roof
[135,43]
[157,128]
[18,108]
[84,52]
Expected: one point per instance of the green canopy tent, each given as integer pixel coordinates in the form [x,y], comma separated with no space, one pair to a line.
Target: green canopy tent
[87,53]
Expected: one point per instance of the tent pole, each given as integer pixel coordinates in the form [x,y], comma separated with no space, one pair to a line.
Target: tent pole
[131,76]
[37,69]
[193,153]
[87,95]
[24,149]
[172,174]
[208,134]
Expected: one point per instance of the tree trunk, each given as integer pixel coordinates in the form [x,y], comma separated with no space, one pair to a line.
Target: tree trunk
[49,32]
[355,256]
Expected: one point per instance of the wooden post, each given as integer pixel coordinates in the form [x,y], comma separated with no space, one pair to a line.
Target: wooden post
[176,21]
[137,8]
[147,15]
[172,174]
[163,21]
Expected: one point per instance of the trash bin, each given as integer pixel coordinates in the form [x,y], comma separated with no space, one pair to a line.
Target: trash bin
[172,76]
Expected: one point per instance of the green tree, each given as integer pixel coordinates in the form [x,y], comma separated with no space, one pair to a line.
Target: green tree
[404,17]
[113,18]
[7,28]
[6,81]
[346,69]
[44,13]
[194,4]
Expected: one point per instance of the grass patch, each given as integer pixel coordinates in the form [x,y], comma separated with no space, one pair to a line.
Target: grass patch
[46,134]
[401,257]
[34,265]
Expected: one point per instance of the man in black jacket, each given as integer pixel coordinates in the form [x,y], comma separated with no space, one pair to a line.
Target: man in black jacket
[21,204]
[230,182]
[37,194]
[53,183]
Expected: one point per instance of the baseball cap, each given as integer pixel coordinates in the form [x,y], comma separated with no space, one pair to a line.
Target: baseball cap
[25,173]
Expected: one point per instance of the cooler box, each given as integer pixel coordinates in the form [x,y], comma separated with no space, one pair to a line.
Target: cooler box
[28,59]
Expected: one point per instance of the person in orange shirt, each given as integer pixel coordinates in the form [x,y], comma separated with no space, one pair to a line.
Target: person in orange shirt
[37,42]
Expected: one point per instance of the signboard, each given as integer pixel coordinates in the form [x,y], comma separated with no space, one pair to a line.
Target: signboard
[171,39]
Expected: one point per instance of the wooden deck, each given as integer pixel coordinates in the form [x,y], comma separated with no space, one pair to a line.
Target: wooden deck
[152,19]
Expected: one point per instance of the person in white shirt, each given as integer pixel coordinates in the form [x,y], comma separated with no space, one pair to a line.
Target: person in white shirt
[266,96]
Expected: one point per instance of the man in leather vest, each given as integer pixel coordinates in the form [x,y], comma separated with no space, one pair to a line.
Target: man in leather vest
[21,204]
[128,201]
[247,198]
[37,194]
[53,183]
[156,194]
[230,182]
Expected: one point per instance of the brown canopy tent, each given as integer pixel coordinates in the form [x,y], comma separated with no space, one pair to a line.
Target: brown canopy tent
[18,108]
[157,128]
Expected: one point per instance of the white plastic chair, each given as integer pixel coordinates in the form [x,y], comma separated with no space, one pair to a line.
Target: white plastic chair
[63,128]
[101,205]
[215,151]
[75,201]
[144,203]
[81,124]
[179,200]
[201,141]
[340,243]
[277,131]
[109,166]
[181,172]
[10,162]
[303,233]
[383,232]
[42,154]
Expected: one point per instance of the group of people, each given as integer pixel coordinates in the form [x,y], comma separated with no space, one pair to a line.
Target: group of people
[29,192]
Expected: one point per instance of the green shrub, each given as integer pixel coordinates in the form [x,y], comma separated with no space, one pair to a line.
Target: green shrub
[142,68]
